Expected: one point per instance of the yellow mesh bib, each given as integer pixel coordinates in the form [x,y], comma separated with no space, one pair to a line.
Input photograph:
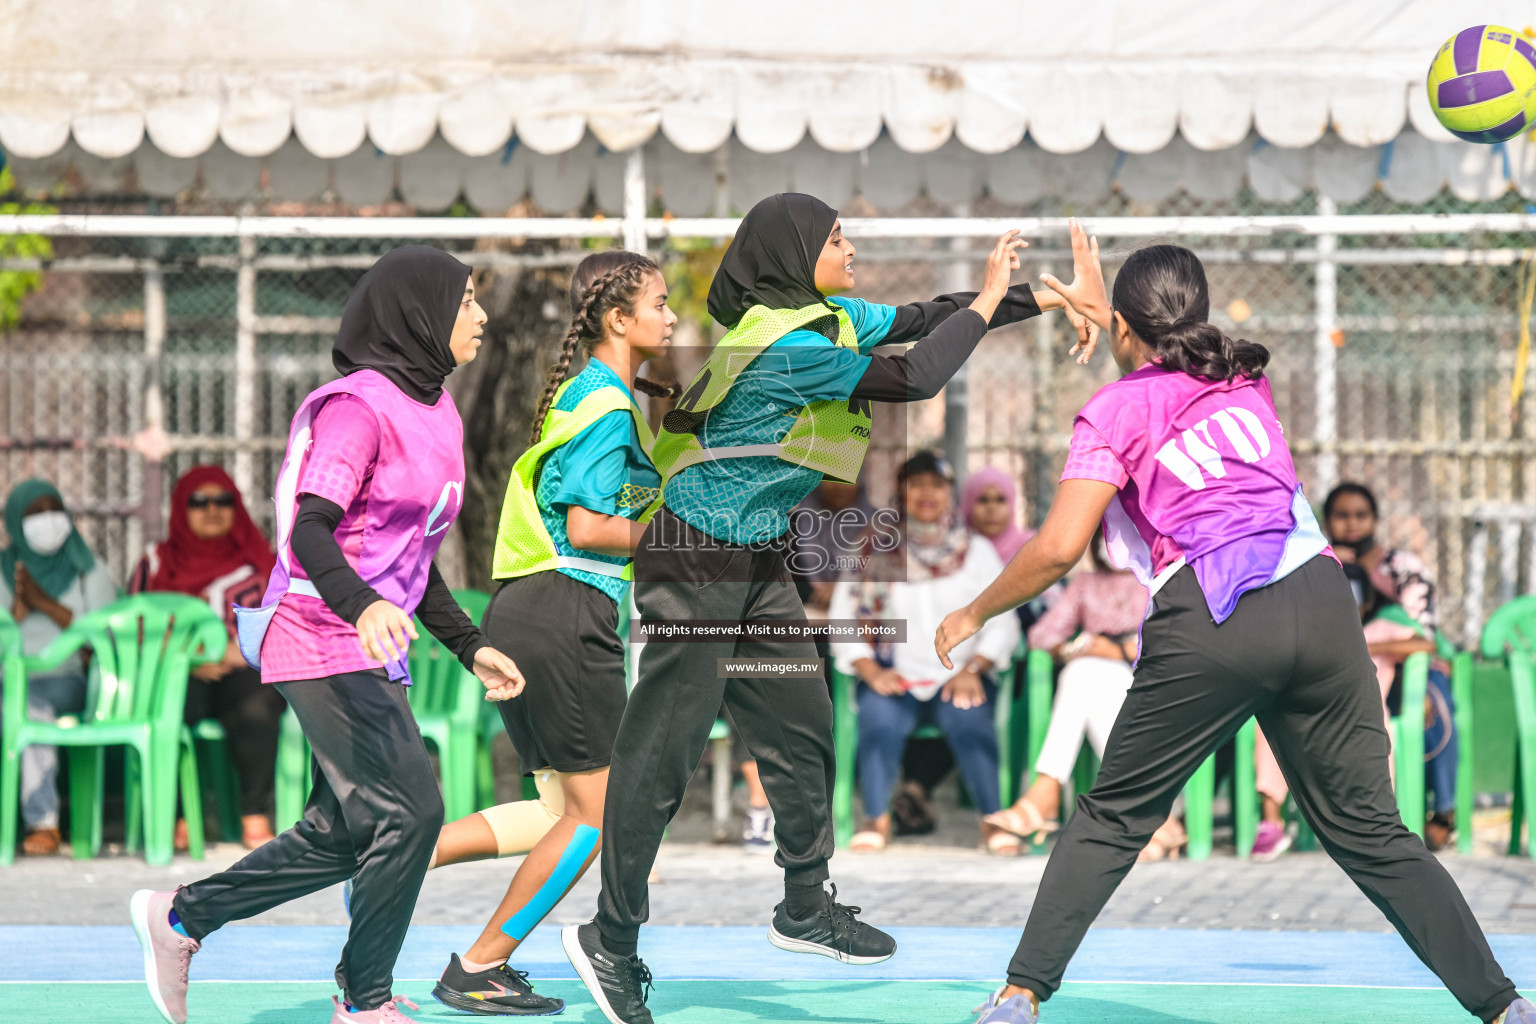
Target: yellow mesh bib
[827,436]
[523,545]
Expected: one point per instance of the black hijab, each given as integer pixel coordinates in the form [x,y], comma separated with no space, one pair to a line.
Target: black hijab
[399,319]
[772,259]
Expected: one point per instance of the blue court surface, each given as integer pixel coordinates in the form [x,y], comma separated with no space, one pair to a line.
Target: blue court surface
[272,974]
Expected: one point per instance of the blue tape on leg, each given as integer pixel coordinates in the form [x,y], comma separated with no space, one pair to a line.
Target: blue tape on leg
[582,843]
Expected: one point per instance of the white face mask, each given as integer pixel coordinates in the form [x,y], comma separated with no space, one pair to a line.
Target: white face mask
[46,532]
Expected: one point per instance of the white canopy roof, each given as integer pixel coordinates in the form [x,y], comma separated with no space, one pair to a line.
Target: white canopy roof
[248,75]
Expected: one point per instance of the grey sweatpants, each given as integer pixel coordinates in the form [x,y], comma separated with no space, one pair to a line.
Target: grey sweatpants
[373,816]
[1293,654]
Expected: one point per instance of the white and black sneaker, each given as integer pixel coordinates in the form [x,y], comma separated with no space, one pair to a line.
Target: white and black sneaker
[833,931]
[502,990]
[619,984]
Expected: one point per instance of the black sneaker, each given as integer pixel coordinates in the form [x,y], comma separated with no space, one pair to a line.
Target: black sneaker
[615,981]
[500,990]
[832,931]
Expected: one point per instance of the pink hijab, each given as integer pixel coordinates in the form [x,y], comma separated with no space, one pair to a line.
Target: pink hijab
[1010,540]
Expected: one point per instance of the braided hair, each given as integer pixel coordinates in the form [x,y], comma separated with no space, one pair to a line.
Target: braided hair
[604,280]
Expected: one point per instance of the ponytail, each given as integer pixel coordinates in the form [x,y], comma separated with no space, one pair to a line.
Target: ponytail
[658,390]
[602,281]
[1162,293]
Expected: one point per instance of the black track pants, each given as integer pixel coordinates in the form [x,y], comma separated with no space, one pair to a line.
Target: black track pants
[373,816]
[1291,653]
[786,722]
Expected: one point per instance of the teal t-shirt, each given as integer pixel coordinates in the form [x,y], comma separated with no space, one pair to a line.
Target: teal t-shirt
[748,500]
[604,468]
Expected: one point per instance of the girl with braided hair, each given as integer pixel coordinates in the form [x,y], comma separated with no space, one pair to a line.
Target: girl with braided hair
[568,532]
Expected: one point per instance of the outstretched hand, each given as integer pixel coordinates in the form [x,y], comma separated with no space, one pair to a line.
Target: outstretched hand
[1086,294]
[1002,261]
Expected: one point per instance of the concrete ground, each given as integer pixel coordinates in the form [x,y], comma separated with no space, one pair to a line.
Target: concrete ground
[940,879]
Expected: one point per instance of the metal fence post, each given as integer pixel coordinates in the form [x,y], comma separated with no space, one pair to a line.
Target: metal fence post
[634,200]
[1326,299]
[151,484]
[954,278]
[1044,484]
[1476,581]
[245,366]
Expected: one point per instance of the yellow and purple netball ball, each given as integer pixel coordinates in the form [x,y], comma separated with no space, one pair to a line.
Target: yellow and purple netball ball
[1482,84]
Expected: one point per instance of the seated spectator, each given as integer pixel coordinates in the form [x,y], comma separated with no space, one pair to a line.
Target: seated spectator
[47,577]
[215,552]
[935,566]
[1386,577]
[1092,630]
[987,505]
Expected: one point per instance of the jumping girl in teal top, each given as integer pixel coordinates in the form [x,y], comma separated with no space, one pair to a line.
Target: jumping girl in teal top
[781,401]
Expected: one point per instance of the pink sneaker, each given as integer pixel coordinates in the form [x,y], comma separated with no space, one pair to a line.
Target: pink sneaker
[389,1013]
[167,952]
[1271,841]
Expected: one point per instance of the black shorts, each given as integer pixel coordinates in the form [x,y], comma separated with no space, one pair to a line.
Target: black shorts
[563,634]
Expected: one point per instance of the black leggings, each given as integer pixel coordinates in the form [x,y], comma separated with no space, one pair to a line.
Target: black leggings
[1291,653]
[251,713]
[373,816]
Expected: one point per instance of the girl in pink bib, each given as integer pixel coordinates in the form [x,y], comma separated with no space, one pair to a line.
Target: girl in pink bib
[1184,462]
[373,477]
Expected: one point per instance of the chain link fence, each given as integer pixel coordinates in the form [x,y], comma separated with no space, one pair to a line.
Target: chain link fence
[132,359]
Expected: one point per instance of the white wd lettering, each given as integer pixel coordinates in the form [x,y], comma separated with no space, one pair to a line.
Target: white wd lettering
[1243,431]
[1249,420]
[1203,450]
[454,487]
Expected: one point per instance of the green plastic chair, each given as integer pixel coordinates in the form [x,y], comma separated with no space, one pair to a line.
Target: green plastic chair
[1199,791]
[446,699]
[1510,636]
[845,743]
[216,774]
[294,778]
[143,648]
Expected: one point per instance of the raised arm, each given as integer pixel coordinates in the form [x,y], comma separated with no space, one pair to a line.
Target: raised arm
[921,371]
[919,319]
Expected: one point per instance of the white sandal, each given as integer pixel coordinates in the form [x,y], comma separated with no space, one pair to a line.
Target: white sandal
[868,841]
[1023,819]
[1003,844]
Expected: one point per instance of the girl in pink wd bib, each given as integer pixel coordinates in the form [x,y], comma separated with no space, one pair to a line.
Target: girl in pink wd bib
[373,477]
[1184,462]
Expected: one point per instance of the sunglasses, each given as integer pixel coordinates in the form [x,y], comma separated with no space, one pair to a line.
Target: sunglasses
[223,500]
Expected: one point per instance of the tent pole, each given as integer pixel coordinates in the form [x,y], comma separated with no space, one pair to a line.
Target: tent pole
[954,276]
[1326,300]
[634,200]
[245,366]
